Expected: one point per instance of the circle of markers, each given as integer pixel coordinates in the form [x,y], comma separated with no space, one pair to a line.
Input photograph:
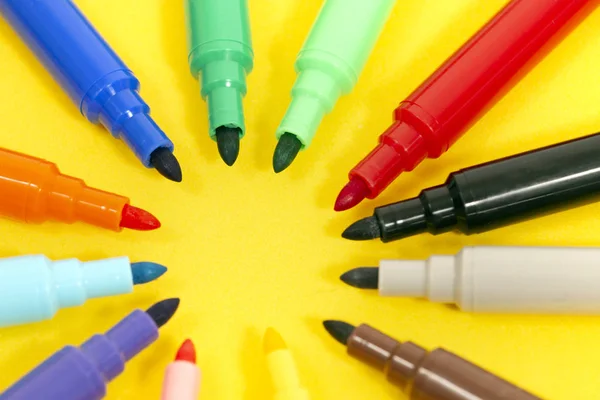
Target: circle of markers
[425,125]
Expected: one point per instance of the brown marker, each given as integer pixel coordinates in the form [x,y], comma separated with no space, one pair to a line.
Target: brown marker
[422,374]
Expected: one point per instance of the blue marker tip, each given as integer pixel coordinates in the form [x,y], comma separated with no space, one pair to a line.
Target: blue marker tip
[144,272]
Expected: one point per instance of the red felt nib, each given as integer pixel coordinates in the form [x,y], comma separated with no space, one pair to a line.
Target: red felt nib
[138,219]
[353,193]
[186,352]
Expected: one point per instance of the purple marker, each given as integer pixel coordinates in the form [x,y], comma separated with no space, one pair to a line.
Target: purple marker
[81,373]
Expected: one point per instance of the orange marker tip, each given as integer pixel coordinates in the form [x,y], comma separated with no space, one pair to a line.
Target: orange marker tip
[138,219]
[273,341]
[187,352]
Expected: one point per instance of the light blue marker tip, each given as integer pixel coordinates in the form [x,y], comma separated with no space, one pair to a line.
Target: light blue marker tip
[144,272]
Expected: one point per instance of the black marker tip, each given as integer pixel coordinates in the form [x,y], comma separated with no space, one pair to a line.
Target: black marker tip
[166,164]
[162,311]
[339,330]
[228,143]
[362,277]
[286,151]
[363,229]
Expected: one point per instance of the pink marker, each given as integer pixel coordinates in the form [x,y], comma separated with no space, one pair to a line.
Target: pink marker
[182,376]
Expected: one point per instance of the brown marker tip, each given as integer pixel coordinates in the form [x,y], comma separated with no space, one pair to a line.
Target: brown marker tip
[339,330]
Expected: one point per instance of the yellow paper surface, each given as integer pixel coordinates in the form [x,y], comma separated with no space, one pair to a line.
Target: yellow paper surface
[247,249]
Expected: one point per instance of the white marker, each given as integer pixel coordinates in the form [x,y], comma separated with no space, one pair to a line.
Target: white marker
[543,280]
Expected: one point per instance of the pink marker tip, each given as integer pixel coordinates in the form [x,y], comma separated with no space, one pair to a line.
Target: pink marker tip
[186,352]
[353,193]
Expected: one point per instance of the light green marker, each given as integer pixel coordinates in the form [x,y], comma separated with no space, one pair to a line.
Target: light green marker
[220,56]
[328,66]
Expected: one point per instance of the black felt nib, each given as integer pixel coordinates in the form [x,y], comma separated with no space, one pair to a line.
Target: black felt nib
[286,151]
[162,311]
[340,330]
[362,277]
[166,164]
[228,143]
[363,229]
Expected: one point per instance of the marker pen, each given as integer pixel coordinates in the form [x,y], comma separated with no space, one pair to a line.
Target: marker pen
[280,362]
[92,74]
[494,279]
[432,375]
[494,194]
[33,190]
[328,66]
[439,111]
[182,377]
[77,373]
[33,288]
[221,56]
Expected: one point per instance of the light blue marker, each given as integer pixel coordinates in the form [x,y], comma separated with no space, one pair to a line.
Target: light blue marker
[34,288]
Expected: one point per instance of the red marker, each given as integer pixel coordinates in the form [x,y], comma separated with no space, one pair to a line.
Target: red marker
[438,112]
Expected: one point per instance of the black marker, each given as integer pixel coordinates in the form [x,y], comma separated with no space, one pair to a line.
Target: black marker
[494,194]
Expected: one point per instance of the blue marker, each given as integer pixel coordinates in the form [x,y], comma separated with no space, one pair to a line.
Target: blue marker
[95,78]
[34,288]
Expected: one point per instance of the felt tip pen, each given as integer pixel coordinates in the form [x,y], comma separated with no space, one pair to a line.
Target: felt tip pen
[34,288]
[439,111]
[494,279]
[78,373]
[182,376]
[221,56]
[284,373]
[94,77]
[421,374]
[494,194]
[328,66]
[33,190]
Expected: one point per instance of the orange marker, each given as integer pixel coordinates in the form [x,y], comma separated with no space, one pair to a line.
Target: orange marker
[34,191]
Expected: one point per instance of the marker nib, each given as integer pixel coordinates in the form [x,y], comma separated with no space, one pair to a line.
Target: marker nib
[144,272]
[228,143]
[187,352]
[286,151]
[273,341]
[166,164]
[363,229]
[339,330]
[362,277]
[162,311]
[353,193]
[138,219]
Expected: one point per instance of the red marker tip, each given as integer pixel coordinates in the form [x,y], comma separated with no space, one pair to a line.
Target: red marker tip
[138,219]
[353,193]
[186,352]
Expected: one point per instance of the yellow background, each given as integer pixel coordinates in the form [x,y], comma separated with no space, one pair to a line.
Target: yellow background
[247,248]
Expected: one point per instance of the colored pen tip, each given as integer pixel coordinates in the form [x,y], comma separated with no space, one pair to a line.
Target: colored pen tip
[362,277]
[353,193]
[166,164]
[144,272]
[273,341]
[339,330]
[228,143]
[162,311]
[187,352]
[138,219]
[363,229]
[286,151]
